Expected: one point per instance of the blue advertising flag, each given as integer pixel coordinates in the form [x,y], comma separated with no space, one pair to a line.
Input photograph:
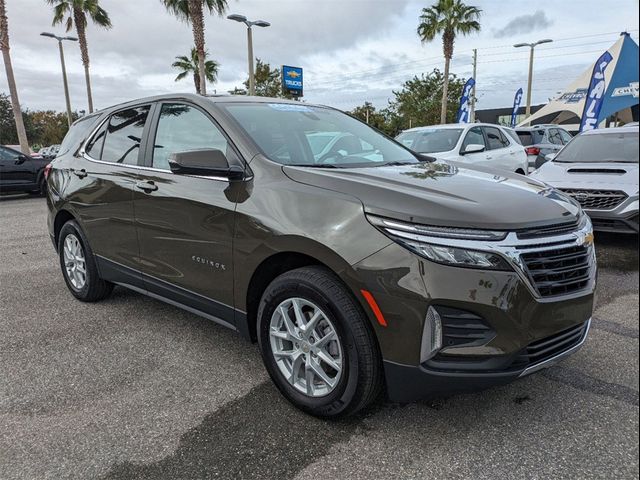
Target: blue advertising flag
[463,111]
[516,105]
[595,94]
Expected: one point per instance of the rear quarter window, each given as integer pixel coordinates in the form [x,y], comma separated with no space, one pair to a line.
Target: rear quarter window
[77,134]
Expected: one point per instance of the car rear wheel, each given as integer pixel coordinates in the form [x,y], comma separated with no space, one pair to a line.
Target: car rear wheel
[316,343]
[78,265]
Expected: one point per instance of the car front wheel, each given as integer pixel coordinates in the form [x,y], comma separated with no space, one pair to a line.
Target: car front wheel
[316,344]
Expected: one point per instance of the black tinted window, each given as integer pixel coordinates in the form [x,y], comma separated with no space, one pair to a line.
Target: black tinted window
[182,128]
[530,137]
[94,147]
[124,134]
[8,154]
[495,138]
[474,137]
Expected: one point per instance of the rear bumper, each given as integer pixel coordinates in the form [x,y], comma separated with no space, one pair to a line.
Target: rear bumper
[406,383]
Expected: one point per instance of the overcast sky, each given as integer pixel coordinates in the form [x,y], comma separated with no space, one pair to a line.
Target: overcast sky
[352,50]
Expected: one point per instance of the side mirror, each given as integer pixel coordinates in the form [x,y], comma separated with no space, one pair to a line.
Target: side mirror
[473,148]
[207,163]
[21,159]
[550,156]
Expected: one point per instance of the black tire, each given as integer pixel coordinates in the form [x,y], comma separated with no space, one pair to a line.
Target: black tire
[361,380]
[94,288]
[42,187]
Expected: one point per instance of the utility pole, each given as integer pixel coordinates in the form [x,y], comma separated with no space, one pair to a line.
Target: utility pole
[472,115]
[64,70]
[532,47]
[249,24]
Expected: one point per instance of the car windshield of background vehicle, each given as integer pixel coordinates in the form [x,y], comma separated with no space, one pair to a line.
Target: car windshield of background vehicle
[432,140]
[528,137]
[606,147]
[310,136]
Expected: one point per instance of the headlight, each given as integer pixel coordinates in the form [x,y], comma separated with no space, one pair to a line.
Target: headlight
[415,238]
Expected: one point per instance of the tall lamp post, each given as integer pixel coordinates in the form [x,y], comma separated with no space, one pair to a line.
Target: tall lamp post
[249,24]
[532,46]
[64,69]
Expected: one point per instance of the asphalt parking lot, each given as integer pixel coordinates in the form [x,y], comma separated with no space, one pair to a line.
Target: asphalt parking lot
[132,388]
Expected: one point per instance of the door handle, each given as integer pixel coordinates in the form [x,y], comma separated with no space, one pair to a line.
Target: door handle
[147,186]
[79,173]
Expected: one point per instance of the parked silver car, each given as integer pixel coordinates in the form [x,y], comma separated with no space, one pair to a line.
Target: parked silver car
[542,140]
[599,169]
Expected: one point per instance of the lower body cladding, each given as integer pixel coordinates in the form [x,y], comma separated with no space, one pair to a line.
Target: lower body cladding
[454,330]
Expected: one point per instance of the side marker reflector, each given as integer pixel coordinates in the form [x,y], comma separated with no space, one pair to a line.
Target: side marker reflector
[374,306]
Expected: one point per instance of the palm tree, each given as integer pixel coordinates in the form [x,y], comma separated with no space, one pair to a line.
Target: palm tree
[449,18]
[76,13]
[190,66]
[13,90]
[192,11]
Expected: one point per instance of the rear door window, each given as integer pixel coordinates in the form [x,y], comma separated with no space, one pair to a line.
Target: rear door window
[495,138]
[554,136]
[124,135]
[566,136]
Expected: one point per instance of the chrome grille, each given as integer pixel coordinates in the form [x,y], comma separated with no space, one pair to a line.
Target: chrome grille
[597,199]
[559,271]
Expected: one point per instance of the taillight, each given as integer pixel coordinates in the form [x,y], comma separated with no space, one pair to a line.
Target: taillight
[532,150]
[47,170]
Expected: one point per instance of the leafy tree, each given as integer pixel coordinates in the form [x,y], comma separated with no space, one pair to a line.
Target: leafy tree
[42,127]
[14,105]
[378,119]
[268,81]
[192,11]
[419,101]
[448,18]
[189,65]
[76,13]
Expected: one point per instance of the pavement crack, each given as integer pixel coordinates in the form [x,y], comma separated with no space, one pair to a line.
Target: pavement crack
[587,383]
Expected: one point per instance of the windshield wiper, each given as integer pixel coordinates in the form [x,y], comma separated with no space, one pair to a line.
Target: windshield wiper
[312,165]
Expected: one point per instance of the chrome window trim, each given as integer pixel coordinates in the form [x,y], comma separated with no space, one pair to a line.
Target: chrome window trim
[512,248]
[83,153]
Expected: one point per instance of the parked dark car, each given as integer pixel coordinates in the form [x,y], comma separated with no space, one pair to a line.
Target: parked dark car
[355,268]
[542,140]
[21,173]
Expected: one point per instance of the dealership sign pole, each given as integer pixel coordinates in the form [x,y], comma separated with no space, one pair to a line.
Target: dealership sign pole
[463,111]
[516,105]
[595,94]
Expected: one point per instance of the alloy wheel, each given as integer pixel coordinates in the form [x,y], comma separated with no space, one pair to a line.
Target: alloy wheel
[74,262]
[306,347]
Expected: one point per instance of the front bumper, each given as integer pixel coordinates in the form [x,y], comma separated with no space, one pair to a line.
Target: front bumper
[514,317]
[623,219]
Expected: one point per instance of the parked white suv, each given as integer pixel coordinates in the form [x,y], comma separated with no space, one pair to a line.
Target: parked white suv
[479,144]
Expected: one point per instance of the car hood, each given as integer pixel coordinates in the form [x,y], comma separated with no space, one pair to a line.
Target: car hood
[446,194]
[602,176]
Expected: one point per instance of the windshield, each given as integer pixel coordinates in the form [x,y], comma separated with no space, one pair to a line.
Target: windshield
[432,140]
[607,147]
[530,137]
[312,136]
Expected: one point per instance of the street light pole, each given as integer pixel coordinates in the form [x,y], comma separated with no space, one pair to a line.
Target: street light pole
[532,47]
[249,24]
[64,70]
